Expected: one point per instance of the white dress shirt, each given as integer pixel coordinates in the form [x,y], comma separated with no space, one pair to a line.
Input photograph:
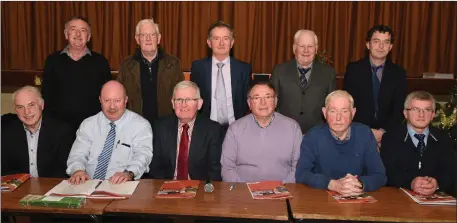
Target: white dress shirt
[132,148]
[226,73]
[32,142]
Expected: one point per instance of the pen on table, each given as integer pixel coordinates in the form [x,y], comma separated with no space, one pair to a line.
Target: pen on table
[231,187]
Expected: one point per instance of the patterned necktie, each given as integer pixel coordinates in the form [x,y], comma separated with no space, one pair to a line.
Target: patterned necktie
[183,154]
[421,144]
[105,156]
[220,95]
[303,80]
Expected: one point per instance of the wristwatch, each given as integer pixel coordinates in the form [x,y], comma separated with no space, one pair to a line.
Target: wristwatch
[130,173]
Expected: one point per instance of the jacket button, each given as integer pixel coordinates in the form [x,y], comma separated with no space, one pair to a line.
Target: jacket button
[303,93]
[301,113]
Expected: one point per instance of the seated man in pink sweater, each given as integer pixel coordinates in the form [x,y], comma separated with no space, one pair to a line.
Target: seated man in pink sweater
[264,145]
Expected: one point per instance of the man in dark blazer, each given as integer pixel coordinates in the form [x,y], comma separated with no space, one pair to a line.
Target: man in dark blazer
[302,84]
[186,145]
[33,143]
[418,156]
[224,95]
[378,86]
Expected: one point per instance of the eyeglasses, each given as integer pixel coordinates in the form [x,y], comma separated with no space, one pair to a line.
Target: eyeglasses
[144,35]
[418,110]
[257,99]
[180,101]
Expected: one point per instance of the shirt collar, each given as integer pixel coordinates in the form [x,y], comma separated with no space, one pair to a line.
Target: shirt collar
[372,64]
[225,61]
[310,66]
[347,138]
[37,130]
[411,131]
[66,51]
[191,123]
[271,121]
[140,58]
[106,121]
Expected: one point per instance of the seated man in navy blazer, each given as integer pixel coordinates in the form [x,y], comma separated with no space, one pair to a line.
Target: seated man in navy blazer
[223,80]
[377,85]
[186,145]
[418,156]
[34,144]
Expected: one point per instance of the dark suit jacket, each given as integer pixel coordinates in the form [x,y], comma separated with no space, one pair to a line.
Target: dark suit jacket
[391,96]
[304,106]
[241,80]
[204,152]
[54,144]
[401,158]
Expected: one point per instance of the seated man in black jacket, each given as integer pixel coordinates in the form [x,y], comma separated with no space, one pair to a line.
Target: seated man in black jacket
[418,156]
[186,145]
[33,143]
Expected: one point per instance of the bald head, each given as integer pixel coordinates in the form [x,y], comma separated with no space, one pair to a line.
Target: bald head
[113,100]
[28,105]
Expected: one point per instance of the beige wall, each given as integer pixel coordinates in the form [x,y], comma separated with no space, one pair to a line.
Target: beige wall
[7,103]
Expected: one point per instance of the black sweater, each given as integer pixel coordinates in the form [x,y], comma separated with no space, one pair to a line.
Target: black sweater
[71,88]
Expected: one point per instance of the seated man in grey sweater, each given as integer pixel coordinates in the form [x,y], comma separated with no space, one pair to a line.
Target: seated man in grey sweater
[264,145]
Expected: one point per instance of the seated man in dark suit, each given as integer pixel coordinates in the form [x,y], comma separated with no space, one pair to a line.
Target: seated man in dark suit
[302,84]
[223,80]
[186,145]
[33,143]
[377,85]
[416,155]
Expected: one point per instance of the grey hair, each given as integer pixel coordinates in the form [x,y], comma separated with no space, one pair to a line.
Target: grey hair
[421,96]
[29,89]
[78,18]
[145,21]
[305,31]
[186,84]
[339,94]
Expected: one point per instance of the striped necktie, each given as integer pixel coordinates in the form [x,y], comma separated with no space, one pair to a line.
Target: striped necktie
[303,80]
[105,156]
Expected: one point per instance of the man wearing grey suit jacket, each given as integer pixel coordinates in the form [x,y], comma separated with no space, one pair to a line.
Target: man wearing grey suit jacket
[302,84]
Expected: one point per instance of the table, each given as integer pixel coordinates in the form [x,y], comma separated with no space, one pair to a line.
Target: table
[222,203]
[393,206]
[39,186]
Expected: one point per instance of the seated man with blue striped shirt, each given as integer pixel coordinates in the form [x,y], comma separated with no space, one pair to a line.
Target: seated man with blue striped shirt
[115,144]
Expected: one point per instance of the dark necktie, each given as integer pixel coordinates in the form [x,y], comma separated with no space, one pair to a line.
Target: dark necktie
[376,86]
[303,80]
[421,144]
[183,154]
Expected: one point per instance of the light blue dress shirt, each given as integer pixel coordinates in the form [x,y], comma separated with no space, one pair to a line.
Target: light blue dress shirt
[411,133]
[132,147]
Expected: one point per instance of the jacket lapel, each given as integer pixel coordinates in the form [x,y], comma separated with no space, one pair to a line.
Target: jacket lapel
[42,147]
[173,131]
[385,81]
[195,143]
[234,76]
[292,73]
[208,80]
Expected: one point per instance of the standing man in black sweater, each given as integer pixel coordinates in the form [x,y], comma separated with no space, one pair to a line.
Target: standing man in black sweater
[73,77]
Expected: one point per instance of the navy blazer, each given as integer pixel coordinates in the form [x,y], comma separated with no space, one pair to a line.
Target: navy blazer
[54,144]
[401,159]
[241,80]
[204,151]
[391,96]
